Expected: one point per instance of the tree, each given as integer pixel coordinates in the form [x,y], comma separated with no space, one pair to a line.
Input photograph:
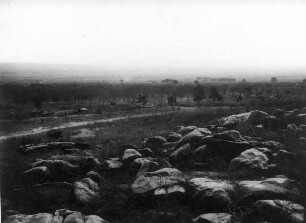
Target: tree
[171,100]
[214,94]
[198,93]
[273,80]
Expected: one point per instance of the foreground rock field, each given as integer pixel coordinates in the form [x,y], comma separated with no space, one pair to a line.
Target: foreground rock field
[216,173]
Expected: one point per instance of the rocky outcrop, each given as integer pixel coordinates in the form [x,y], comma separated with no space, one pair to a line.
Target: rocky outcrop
[279,211]
[255,159]
[86,191]
[207,194]
[60,216]
[130,155]
[214,218]
[271,188]
[161,178]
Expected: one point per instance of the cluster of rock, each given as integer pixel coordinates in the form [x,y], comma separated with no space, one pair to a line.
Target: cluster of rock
[157,168]
[60,216]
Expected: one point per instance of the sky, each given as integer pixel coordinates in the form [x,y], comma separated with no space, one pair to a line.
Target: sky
[158,36]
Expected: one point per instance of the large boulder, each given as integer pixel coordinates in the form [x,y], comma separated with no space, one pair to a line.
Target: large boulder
[155,143]
[181,154]
[272,145]
[279,211]
[185,130]
[35,218]
[86,163]
[207,194]
[174,192]
[247,119]
[254,159]
[129,155]
[229,135]
[173,137]
[214,218]
[112,164]
[161,178]
[86,191]
[226,150]
[194,138]
[144,165]
[271,188]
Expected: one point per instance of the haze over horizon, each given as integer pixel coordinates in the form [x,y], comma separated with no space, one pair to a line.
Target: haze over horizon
[224,38]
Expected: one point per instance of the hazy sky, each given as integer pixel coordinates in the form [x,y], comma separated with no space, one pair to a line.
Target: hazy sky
[157,36]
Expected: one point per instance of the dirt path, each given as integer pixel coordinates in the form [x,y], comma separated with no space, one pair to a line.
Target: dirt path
[76,124]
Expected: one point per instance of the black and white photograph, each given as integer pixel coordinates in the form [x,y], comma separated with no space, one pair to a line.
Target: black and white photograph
[153,111]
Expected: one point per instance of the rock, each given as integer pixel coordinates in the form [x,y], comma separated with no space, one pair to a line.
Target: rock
[181,154]
[155,143]
[230,135]
[252,159]
[214,218]
[279,113]
[194,139]
[244,119]
[271,188]
[94,219]
[130,155]
[146,152]
[226,150]
[129,146]
[51,192]
[86,163]
[279,211]
[207,194]
[176,192]
[57,219]
[38,174]
[87,191]
[144,165]
[43,147]
[272,122]
[58,169]
[95,177]
[173,137]
[75,217]
[185,130]
[272,145]
[112,164]
[36,218]
[82,109]
[302,118]
[302,143]
[160,178]
[284,158]
[292,127]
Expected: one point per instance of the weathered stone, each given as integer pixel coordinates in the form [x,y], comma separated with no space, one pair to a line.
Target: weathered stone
[185,130]
[279,211]
[273,145]
[271,122]
[83,134]
[173,137]
[171,192]
[155,143]
[144,165]
[252,159]
[94,219]
[38,174]
[130,155]
[160,178]
[214,218]
[146,152]
[244,119]
[181,154]
[230,135]
[95,176]
[112,164]
[86,191]
[57,166]
[75,217]
[194,139]
[271,188]
[209,194]
[36,218]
